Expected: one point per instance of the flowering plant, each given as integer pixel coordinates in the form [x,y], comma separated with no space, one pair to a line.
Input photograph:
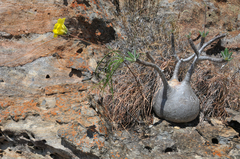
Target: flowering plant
[60,28]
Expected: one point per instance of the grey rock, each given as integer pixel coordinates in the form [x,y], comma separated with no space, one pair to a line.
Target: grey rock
[5,35]
[32,77]
[36,136]
[238,146]
[235,116]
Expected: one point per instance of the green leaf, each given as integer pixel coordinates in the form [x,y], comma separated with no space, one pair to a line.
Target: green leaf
[129,59]
[226,51]
[114,59]
[137,56]
[133,56]
[222,53]
[103,59]
[207,33]
[130,54]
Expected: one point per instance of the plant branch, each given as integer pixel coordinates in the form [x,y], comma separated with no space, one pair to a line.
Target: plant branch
[205,17]
[205,20]
[211,59]
[201,58]
[190,71]
[201,43]
[149,56]
[176,70]
[132,73]
[198,52]
[203,47]
[189,58]
[193,47]
[158,69]
[173,47]
[210,41]
[179,61]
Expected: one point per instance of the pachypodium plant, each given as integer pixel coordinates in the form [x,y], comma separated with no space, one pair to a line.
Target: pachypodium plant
[176,101]
[60,28]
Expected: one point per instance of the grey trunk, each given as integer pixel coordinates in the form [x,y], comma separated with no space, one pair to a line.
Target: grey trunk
[178,103]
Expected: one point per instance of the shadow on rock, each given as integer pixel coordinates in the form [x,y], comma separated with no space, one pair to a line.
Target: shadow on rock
[97,31]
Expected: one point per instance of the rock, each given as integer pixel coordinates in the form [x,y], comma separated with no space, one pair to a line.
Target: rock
[234,119]
[232,41]
[5,35]
[165,141]
[36,138]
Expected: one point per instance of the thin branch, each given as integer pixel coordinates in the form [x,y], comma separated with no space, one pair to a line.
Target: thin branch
[205,16]
[176,70]
[158,69]
[179,61]
[205,20]
[202,42]
[149,56]
[189,58]
[210,41]
[133,74]
[193,47]
[211,59]
[203,47]
[190,71]
[173,47]
[198,52]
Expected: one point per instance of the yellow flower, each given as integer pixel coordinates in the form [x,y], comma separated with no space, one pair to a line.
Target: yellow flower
[60,28]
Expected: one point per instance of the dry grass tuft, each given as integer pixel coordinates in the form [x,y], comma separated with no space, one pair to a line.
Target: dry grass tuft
[217,88]
[142,31]
[131,103]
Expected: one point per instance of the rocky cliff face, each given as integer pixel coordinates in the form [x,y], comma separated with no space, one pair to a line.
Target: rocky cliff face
[47,93]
